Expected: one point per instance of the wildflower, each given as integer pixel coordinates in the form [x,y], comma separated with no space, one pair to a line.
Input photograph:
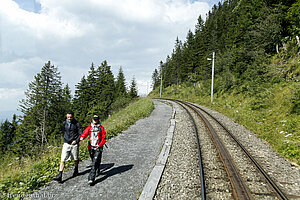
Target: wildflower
[288,135]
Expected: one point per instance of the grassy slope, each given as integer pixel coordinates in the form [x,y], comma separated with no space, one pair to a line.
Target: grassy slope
[29,174]
[268,114]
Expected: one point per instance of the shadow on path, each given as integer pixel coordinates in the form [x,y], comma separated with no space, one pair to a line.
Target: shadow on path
[79,174]
[103,167]
[113,171]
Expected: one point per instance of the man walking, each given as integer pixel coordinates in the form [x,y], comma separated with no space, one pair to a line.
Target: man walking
[71,130]
[97,138]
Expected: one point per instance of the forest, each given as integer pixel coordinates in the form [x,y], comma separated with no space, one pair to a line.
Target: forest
[244,34]
[47,101]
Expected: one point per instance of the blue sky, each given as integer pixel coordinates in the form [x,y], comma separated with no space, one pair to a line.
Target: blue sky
[29,5]
[133,34]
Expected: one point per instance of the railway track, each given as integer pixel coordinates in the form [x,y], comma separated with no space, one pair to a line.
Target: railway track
[226,167]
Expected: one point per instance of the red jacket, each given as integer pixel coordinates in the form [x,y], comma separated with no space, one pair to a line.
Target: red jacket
[101,135]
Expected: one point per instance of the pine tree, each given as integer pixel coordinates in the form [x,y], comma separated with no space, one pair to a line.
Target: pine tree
[67,98]
[7,134]
[92,86]
[80,104]
[133,93]
[120,84]
[42,105]
[155,79]
[104,94]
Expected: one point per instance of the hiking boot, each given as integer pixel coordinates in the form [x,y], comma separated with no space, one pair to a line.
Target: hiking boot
[75,173]
[91,178]
[90,182]
[58,177]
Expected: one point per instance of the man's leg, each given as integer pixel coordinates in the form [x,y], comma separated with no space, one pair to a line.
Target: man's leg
[65,153]
[58,177]
[76,163]
[75,155]
[91,154]
[98,163]
[75,173]
[62,166]
[92,174]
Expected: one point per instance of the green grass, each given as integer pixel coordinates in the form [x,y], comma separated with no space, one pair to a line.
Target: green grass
[270,113]
[27,175]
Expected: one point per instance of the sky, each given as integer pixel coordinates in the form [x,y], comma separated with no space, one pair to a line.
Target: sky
[72,34]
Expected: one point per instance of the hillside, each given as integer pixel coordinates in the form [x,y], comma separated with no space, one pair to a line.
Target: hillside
[256,68]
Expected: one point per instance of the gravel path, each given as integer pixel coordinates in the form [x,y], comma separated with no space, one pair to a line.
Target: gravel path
[126,164]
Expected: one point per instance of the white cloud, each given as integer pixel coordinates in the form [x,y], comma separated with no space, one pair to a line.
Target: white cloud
[9,100]
[19,72]
[134,34]
[13,93]
[42,25]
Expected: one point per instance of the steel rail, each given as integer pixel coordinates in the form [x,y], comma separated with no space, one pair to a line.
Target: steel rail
[267,177]
[240,190]
[202,180]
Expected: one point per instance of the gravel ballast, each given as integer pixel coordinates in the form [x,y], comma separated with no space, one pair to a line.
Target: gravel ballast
[175,185]
[181,177]
[286,174]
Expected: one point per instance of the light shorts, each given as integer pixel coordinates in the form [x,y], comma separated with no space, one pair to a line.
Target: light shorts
[69,152]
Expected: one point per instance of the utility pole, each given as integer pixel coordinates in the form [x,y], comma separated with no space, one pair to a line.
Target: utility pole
[147,87]
[212,76]
[160,83]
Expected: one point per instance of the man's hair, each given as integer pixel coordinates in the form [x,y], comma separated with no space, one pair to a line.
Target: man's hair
[70,112]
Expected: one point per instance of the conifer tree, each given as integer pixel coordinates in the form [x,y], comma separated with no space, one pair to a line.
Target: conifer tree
[67,98]
[155,79]
[7,134]
[104,94]
[80,103]
[92,86]
[42,105]
[133,93]
[120,84]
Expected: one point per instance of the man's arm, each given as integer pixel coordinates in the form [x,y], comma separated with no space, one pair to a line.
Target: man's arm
[79,129]
[63,128]
[85,133]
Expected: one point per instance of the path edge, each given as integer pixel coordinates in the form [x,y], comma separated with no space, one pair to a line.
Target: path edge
[155,176]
